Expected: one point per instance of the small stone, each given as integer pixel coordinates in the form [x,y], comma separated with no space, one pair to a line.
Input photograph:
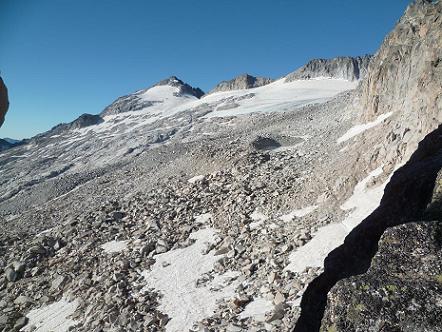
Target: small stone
[118,215]
[22,300]
[278,313]
[279,298]
[11,275]
[59,282]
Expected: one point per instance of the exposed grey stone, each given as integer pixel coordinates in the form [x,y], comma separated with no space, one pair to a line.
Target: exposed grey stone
[241,82]
[349,68]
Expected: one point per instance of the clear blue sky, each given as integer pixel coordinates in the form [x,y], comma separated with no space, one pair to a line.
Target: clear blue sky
[62,58]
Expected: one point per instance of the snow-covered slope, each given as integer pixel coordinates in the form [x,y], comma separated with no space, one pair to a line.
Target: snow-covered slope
[165,101]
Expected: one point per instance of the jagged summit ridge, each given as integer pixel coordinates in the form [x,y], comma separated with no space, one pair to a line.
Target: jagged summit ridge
[345,67]
[184,87]
[242,82]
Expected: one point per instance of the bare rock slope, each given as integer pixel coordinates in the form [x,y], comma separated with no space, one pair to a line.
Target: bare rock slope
[241,82]
[349,68]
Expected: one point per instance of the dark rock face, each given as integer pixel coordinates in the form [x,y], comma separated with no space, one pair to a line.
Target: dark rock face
[349,68]
[85,120]
[184,88]
[242,82]
[402,290]
[4,101]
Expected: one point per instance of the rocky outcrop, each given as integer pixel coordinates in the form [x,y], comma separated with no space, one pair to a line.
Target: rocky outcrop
[242,82]
[84,120]
[405,199]
[184,88]
[406,71]
[348,68]
[402,289]
[403,81]
[127,103]
[4,101]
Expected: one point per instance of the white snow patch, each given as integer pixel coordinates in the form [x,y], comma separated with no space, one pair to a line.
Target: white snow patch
[280,95]
[196,179]
[298,213]
[175,273]
[20,156]
[257,309]
[258,218]
[114,246]
[358,129]
[364,201]
[52,317]
[203,218]
[46,231]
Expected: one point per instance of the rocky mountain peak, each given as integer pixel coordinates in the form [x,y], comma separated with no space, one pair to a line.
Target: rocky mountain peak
[344,67]
[184,88]
[145,98]
[241,82]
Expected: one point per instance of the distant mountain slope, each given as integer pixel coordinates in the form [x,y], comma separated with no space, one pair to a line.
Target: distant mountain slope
[11,140]
[4,145]
[161,96]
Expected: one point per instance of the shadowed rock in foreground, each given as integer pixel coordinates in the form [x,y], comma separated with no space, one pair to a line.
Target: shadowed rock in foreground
[4,101]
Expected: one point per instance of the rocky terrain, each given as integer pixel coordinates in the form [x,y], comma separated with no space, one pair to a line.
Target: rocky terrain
[248,209]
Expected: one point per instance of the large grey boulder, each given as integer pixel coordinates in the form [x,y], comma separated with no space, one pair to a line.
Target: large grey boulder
[242,82]
[4,101]
[349,68]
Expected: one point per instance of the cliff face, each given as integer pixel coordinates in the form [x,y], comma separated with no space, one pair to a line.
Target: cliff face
[4,101]
[402,289]
[402,90]
[405,76]
[242,82]
[349,68]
